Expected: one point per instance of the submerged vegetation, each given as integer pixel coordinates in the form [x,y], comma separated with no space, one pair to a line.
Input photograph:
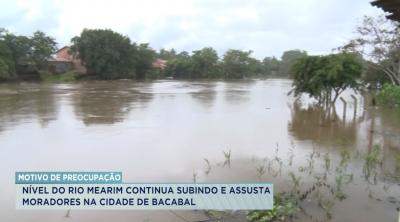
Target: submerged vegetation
[323,180]
[285,207]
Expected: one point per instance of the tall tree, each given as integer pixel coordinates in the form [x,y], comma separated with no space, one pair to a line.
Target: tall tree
[106,53]
[378,39]
[144,60]
[236,64]
[270,65]
[28,51]
[21,48]
[43,47]
[204,64]
[288,59]
[255,67]
[178,68]
[7,64]
[167,54]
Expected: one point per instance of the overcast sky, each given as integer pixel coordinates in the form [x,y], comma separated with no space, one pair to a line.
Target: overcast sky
[268,27]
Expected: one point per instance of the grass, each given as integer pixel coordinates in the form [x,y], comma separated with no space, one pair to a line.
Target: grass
[64,77]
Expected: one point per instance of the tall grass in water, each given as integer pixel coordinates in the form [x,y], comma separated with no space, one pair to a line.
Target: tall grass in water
[308,183]
[227,156]
[371,161]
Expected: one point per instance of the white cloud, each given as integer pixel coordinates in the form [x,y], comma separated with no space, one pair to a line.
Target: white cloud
[268,27]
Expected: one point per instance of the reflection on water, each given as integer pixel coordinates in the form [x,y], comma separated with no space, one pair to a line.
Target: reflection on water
[312,123]
[206,94]
[26,102]
[106,103]
[162,131]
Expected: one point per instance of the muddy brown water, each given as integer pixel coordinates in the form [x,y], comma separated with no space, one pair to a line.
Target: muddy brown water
[162,131]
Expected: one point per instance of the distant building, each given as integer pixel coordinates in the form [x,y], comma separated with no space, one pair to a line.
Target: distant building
[390,6]
[64,61]
[160,64]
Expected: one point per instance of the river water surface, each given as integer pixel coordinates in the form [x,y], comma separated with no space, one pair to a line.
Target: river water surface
[162,131]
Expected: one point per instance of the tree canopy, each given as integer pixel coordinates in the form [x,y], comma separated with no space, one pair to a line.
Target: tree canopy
[378,40]
[144,60]
[326,77]
[270,66]
[288,59]
[17,52]
[7,64]
[111,55]
[236,64]
[205,64]
[106,53]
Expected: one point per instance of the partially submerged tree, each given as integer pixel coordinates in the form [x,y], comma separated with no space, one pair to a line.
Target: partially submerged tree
[326,77]
[378,39]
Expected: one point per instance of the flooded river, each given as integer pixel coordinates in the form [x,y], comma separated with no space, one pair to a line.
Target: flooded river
[180,131]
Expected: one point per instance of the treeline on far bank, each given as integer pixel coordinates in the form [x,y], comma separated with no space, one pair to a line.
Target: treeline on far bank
[110,55]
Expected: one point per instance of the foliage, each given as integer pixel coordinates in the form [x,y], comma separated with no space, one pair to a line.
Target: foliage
[4,71]
[378,39]
[167,54]
[42,48]
[236,64]
[178,67]
[20,47]
[389,96]
[255,67]
[288,59]
[285,206]
[204,64]
[144,61]
[374,77]
[320,76]
[7,65]
[270,65]
[33,50]
[64,77]
[116,58]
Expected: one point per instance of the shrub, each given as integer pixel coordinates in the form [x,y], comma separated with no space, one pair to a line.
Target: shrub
[389,96]
[64,77]
[285,207]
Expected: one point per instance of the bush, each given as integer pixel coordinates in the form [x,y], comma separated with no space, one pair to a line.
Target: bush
[5,72]
[64,77]
[389,96]
[285,207]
